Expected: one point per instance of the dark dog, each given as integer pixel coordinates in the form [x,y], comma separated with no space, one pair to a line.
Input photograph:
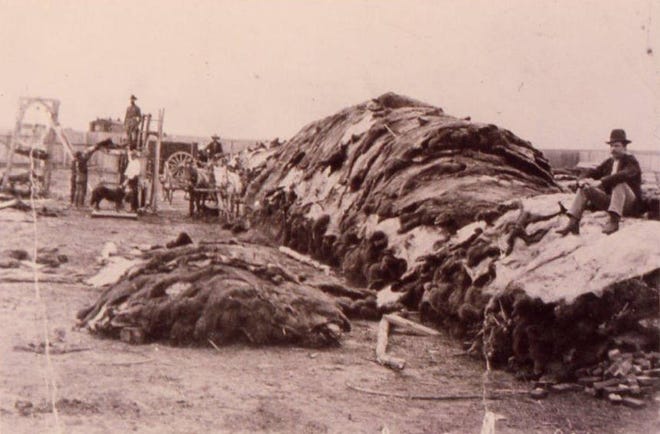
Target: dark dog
[115,195]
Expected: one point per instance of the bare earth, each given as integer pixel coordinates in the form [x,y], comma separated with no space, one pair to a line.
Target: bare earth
[111,387]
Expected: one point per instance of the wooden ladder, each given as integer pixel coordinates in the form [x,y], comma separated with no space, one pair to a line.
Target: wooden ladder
[51,106]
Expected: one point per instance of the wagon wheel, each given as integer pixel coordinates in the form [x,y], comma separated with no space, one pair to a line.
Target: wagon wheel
[175,165]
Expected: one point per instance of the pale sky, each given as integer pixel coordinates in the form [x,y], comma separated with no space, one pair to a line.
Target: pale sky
[558,73]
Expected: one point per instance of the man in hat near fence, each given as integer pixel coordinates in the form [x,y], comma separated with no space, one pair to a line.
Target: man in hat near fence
[132,122]
[615,187]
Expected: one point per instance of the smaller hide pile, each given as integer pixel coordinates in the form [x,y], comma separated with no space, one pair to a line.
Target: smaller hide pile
[46,257]
[19,185]
[13,201]
[216,294]
[16,265]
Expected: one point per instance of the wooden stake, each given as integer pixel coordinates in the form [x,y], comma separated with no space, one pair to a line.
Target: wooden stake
[419,397]
[213,344]
[155,180]
[381,347]
[390,130]
[402,322]
[114,214]
[9,203]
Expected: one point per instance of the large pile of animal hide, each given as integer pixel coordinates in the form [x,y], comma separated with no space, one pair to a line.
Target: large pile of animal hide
[457,219]
[372,188]
[218,293]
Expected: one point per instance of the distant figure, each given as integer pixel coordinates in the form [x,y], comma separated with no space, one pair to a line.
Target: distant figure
[619,190]
[132,123]
[132,178]
[79,176]
[73,178]
[214,147]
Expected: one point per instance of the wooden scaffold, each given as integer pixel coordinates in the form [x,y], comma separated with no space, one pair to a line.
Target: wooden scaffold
[36,141]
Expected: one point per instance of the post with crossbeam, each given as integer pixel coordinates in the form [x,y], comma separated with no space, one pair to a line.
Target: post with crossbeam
[155,181]
[146,128]
[49,163]
[14,140]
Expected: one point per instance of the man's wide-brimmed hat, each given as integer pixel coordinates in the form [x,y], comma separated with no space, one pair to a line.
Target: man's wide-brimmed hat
[215,136]
[618,135]
[133,97]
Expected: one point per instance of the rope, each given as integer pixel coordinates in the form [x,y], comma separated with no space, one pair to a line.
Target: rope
[50,382]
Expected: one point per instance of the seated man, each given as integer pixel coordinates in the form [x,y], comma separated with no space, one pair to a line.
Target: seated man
[214,147]
[619,190]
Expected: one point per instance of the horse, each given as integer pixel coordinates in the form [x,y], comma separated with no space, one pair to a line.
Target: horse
[197,178]
[167,184]
[230,190]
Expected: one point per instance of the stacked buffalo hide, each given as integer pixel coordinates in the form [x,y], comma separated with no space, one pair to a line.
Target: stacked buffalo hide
[459,218]
[218,293]
[527,298]
[373,187]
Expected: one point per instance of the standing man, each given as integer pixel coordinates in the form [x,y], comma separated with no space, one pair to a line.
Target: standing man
[619,190]
[214,147]
[80,164]
[132,177]
[132,123]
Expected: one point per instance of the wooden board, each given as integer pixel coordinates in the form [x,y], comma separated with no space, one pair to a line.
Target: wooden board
[381,347]
[114,214]
[410,325]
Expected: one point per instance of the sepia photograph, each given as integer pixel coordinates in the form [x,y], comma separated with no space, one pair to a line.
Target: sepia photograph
[349,216]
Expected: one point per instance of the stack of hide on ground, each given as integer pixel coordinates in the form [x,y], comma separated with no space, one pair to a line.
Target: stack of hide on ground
[219,293]
[404,198]
[526,298]
[552,304]
[374,187]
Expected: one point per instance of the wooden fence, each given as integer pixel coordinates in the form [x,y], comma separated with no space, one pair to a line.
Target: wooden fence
[569,158]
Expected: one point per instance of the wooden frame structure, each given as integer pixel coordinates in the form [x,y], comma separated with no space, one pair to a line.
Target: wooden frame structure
[143,140]
[154,189]
[18,141]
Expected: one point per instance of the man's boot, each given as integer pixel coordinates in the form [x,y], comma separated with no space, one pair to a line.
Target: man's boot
[612,224]
[573,227]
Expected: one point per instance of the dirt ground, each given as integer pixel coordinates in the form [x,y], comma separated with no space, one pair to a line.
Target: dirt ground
[108,386]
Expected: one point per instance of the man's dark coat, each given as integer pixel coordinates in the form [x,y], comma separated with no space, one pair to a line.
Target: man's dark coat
[628,172]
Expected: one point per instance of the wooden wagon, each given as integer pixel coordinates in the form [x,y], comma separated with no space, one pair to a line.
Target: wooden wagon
[173,158]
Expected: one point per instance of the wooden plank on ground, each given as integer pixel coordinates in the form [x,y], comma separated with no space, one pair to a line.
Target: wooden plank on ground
[9,203]
[402,322]
[381,348]
[114,214]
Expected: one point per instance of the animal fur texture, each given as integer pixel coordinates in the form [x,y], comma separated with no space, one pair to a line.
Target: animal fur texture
[218,293]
